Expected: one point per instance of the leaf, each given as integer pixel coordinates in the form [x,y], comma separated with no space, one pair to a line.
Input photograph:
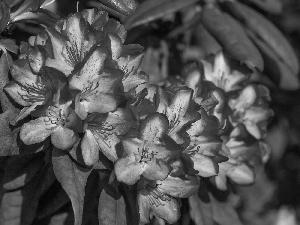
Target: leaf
[271,6]
[5,62]
[73,179]
[19,170]
[151,10]
[125,7]
[53,200]
[111,207]
[224,213]
[9,44]
[200,211]
[4,15]
[42,16]
[267,32]
[19,207]
[231,35]
[26,6]
[275,68]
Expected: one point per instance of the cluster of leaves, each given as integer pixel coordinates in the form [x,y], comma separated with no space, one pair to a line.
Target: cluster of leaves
[87,129]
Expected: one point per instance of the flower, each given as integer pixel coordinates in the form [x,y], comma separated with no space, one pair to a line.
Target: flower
[34,85]
[161,197]
[103,131]
[147,155]
[59,121]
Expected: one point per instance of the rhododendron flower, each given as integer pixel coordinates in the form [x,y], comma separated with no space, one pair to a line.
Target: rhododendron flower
[72,39]
[161,197]
[147,155]
[59,121]
[34,85]
[103,132]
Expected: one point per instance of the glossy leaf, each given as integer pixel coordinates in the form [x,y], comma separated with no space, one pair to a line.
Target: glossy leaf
[154,9]
[26,6]
[111,207]
[267,32]
[19,170]
[5,62]
[19,206]
[9,44]
[271,6]
[224,213]
[231,35]
[73,179]
[275,68]
[125,7]
[200,211]
[4,15]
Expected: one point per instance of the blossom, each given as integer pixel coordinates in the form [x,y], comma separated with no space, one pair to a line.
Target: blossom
[148,154]
[58,121]
[34,85]
[103,131]
[161,197]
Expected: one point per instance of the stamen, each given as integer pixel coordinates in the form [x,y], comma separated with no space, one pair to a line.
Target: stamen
[54,118]
[155,196]
[35,92]
[89,90]
[102,132]
[145,153]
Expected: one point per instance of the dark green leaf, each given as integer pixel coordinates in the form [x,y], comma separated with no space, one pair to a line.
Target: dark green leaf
[154,9]
[275,68]
[111,207]
[267,32]
[73,179]
[200,211]
[54,199]
[231,35]
[271,6]
[41,16]
[224,213]
[125,7]
[5,62]
[19,170]
[4,15]
[19,207]
[26,6]
[10,45]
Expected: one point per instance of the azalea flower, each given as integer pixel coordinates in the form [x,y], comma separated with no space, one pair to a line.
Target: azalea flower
[103,131]
[58,121]
[161,197]
[148,154]
[34,85]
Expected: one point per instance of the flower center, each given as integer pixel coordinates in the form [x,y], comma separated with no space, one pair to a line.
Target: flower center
[89,90]
[156,197]
[145,154]
[54,117]
[35,92]
[101,132]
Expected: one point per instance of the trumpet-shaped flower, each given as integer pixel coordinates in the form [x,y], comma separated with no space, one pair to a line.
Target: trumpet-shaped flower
[34,85]
[59,121]
[147,155]
[161,197]
[103,132]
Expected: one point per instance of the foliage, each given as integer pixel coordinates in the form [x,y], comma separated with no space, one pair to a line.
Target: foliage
[122,114]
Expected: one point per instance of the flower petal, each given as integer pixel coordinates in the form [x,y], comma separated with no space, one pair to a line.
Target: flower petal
[90,149]
[206,166]
[241,174]
[90,71]
[144,209]
[178,187]
[114,44]
[156,169]
[101,103]
[154,128]
[128,170]
[63,138]
[22,74]
[113,26]
[35,131]
[168,210]
[16,92]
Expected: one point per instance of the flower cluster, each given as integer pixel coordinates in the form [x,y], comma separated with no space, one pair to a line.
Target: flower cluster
[242,110]
[82,88]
